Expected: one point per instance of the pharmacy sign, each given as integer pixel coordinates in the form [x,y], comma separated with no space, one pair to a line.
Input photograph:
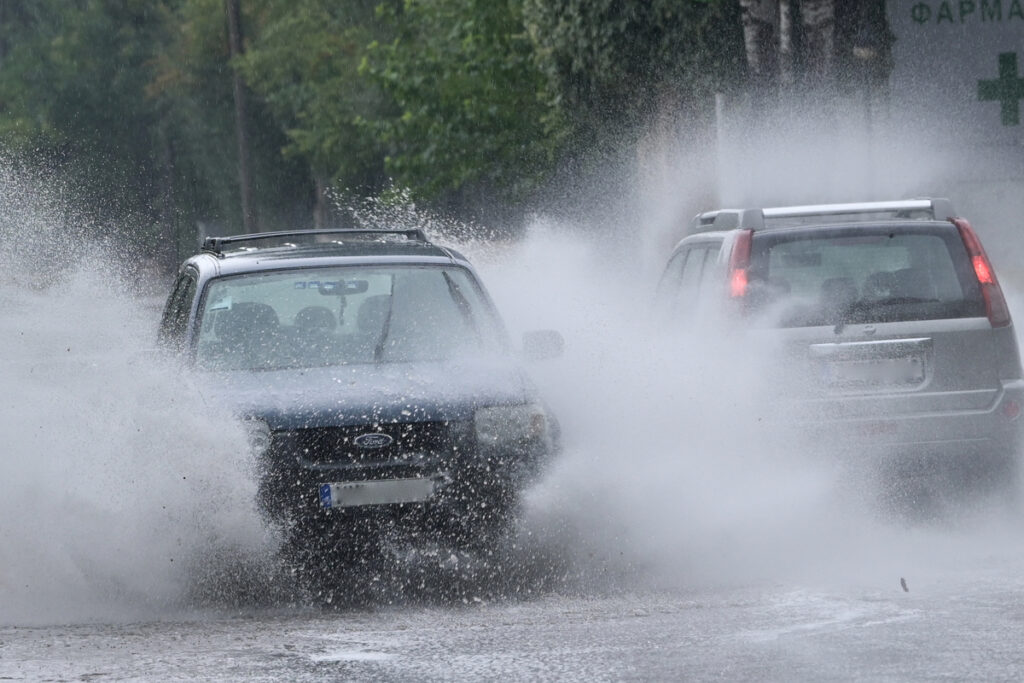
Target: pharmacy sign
[1008,89]
[967,11]
[957,74]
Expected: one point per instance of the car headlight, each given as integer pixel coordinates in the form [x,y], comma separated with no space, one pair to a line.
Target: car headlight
[517,425]
[258,435]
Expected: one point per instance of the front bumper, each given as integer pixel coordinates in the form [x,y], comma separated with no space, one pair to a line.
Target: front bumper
[455,482]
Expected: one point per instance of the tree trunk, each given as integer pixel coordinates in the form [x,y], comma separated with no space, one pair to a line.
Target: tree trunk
[168,257]
[3,26]
[786,61]
[818,18]
[234,16]
[760,27]
[768,36]
[321,209]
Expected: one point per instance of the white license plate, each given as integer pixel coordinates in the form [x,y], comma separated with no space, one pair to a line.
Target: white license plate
[907,370]
[381,492]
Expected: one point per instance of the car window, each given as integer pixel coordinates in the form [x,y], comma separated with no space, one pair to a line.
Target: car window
[331,316]
[711,285]
[174,322]
[862,275]
[688,277]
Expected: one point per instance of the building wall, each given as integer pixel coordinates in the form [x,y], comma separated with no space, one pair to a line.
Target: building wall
[957,92]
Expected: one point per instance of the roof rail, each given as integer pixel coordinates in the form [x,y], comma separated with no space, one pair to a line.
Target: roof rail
[728,219]
[216,245]
[754,219]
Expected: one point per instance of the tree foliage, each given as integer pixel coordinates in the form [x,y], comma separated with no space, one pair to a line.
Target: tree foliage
[465,103]
[613,66]
[72,89]
[472,113]
[131,100]
[192,84]
[303,59]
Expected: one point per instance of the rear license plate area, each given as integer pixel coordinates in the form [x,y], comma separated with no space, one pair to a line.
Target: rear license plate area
[905,371]
[889,364]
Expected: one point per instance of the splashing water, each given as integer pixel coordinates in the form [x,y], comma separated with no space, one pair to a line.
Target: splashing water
[117,481]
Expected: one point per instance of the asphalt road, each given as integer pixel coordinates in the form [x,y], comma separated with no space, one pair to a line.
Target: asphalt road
[961,618]
[767,633]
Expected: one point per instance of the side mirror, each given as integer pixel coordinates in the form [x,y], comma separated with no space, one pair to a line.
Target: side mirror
[543,344]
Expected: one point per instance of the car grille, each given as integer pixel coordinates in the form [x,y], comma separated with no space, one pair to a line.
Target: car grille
[411,442]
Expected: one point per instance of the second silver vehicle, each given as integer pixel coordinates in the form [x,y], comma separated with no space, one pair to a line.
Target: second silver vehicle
[890,334]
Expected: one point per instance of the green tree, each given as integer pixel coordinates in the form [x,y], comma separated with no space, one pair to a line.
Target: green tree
[613,66]
[303,59]
[474,123]
[129,103]
[192,86]
[71,94]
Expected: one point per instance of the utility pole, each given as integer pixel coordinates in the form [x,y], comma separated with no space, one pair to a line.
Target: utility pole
[234,16]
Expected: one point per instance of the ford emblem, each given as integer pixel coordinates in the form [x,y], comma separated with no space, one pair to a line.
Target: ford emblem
[373,440]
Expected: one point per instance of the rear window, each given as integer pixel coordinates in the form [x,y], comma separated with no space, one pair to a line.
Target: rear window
[861,275]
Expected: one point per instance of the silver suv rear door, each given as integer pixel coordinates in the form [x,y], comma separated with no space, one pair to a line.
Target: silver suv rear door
[880,321]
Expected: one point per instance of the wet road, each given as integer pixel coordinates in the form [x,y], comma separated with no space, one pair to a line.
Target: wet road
[962,620]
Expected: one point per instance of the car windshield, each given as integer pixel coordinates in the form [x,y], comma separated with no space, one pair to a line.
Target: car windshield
[318,317]
[861,275]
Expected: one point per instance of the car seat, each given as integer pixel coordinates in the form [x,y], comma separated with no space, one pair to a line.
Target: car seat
[316,319]
[879,285]
[837,293]
[913,283]
[246,322]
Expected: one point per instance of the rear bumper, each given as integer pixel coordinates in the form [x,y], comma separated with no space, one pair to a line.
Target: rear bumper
[994,431]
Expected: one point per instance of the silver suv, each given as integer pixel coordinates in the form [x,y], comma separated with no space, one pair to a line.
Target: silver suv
[894,333]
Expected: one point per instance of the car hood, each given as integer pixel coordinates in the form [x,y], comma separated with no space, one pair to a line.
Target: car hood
[360,393]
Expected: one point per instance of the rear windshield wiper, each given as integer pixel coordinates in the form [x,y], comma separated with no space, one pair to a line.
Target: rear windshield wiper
[865,305]
[854,311]
[896,300]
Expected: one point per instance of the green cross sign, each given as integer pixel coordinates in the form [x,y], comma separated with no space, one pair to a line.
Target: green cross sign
[1008,89]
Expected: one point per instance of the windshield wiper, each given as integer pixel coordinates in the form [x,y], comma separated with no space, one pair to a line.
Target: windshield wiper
[378,350]
[458,297]
[461,302]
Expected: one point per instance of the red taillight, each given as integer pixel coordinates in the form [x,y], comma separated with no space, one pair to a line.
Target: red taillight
[739,261]
[982,270]
[995,303]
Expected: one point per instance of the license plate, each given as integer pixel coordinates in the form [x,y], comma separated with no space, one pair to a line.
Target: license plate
[907,370]
[381,492]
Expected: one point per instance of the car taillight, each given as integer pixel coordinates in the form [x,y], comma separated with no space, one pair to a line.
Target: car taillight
[739,262]
[995,303]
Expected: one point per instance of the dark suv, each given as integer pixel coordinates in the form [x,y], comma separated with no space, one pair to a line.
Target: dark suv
[376,380]
[888,328]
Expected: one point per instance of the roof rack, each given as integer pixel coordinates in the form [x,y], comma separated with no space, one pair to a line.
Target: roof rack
[754,219]
[216,245]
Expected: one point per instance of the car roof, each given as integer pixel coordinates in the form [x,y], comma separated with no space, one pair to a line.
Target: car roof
[313,248]
[924,209]
[899,227]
